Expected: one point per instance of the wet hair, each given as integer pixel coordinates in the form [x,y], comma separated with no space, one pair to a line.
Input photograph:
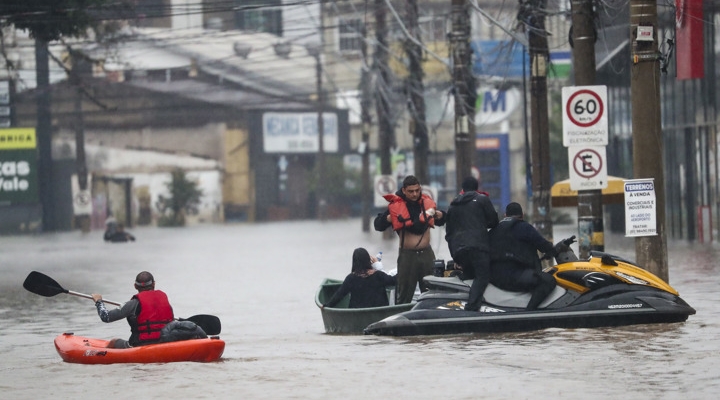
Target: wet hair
[470,184]
[513,210]
[144,281]
[360,261]
[410,180]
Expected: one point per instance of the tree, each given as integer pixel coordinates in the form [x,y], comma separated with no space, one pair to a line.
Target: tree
[183,200]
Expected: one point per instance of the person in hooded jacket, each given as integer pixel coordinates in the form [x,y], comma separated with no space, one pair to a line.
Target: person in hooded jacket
[515,262]
[468,219]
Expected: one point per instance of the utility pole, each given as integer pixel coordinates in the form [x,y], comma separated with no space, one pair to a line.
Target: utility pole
[463,88]
[322,201]
[650,251]
[539,132]
[590,208]
[321,140]
[44,135]
[366,191]
[382,92]
[416,91]
[80,163]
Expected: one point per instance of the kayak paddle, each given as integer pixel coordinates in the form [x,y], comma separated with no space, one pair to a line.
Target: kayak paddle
[39,283]
[46,286]
[209,323]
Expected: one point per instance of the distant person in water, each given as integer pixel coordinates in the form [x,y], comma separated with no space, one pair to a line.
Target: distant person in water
[116,234]
[366,285]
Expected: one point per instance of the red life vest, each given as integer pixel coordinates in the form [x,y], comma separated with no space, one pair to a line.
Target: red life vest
[155,313]
[400,216]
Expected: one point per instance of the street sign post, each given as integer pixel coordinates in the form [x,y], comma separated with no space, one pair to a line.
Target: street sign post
[585,121]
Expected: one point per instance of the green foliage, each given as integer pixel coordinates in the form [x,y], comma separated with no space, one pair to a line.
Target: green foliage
[52,19]
[184,199]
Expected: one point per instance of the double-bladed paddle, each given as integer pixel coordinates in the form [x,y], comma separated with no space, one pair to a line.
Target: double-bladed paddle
[39,283]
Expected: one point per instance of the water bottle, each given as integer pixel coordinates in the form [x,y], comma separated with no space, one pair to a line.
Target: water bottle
[378,264]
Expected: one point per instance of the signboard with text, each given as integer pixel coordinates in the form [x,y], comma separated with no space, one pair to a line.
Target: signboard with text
[298,132]
[18,166]
[585,120]
[640,208]
[587,166]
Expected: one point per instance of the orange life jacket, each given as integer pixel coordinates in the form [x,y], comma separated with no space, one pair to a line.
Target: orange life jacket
[400,216]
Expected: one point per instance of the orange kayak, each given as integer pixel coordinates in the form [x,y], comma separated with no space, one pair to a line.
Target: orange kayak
[84,350]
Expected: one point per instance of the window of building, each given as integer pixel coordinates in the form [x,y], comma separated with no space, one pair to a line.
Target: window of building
[350,35]
[259,16]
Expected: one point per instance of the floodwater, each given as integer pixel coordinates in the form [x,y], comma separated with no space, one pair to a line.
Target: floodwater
[261,279]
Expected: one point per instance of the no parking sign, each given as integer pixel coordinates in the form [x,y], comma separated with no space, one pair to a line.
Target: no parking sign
[587,166]
[384,184]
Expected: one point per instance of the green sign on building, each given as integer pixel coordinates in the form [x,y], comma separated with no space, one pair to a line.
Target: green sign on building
[18,166]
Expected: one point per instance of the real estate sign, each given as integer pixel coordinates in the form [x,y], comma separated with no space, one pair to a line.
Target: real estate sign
[18,166]
[640,208]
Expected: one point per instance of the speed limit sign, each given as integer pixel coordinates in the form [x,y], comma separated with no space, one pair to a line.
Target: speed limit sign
[585,120]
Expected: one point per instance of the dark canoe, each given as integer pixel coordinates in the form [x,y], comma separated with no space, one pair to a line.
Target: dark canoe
[341,319]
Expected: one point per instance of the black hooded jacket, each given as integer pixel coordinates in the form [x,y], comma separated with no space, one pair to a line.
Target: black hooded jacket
[468,219]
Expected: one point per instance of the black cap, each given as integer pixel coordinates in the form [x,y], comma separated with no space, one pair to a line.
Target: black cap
[513,209]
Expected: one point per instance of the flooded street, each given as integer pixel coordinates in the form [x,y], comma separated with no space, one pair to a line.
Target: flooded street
[261,281]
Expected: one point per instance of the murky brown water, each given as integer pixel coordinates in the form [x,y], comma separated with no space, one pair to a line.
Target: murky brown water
[261,279]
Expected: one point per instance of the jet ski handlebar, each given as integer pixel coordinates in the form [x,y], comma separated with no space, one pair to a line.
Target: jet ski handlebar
[563,251]
[569,241]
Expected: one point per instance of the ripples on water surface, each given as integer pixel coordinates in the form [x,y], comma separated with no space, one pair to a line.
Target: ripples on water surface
[261,279]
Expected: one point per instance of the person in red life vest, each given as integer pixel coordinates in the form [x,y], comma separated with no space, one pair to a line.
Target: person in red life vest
[469,217]
[411,214]
[147,312]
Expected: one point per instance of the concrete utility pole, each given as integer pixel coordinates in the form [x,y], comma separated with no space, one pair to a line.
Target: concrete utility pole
[464,89]
[322,201]
[539,127]
[590,208]
[83,221]
[416,91]
[382,92]
[44,135]
[651,251]
[366,188]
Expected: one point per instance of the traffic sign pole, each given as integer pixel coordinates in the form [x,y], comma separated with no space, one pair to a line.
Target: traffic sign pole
[585,133]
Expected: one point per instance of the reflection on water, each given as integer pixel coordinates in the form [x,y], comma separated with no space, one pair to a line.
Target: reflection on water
[261,279]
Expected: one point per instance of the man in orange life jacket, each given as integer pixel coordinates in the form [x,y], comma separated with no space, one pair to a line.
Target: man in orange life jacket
[411,213]
[147,313]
